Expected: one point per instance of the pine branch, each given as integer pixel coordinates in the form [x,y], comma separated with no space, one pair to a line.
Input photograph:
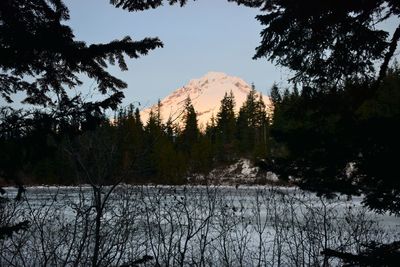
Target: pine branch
[375,255]
[19,120]
[35,45]
[389,54]
[140,5]
[262,4]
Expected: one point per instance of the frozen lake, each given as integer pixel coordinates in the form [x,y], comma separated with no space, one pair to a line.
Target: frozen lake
[188,226]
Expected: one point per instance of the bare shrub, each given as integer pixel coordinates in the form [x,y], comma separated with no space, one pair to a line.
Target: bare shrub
[186,226]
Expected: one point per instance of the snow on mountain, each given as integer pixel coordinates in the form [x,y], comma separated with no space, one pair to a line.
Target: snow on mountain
[206,94]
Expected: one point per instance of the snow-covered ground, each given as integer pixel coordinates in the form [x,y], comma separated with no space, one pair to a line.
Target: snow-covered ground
[190,225]
[241,172]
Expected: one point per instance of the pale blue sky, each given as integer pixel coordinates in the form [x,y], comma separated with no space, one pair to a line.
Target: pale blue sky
[203,36]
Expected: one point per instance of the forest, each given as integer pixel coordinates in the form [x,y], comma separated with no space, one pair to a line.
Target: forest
[150,152]
[333,131]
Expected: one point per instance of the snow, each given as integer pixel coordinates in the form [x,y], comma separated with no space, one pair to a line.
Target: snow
[243,171]
[248,221]
[206,94]
[272,177]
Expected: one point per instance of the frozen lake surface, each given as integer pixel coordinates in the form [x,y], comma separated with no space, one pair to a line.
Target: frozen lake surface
[189,226]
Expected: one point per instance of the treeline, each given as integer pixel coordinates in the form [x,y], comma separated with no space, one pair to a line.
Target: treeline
[341,139]
[61,152]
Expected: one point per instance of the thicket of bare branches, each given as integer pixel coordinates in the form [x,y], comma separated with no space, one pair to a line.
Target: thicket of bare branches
[185,226]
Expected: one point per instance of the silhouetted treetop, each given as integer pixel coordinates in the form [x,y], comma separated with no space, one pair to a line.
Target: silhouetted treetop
[140,5]
[41,57]
[327,42]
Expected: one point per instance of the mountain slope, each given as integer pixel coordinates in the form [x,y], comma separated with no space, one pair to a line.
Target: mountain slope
[206,94]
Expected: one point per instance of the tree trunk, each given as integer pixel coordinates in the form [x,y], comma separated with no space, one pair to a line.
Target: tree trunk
[389,54]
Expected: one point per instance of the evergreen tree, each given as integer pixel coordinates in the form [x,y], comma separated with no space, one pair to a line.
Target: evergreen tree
[262,129]
[211,130]
[133,147]
[169,130]
[158,112]
[322,131]
[211,135]
[226,127]
[202,156]
[261,116]
[286,95]
[275,95]
[190,133]
[242,130]
[138,121]
[171,164]
[295,91]
[298,35]
[251,107]
[139,5]
[41,59]
[247,119]
[152,133]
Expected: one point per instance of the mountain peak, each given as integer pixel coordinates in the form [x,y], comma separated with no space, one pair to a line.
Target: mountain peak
[215,75]
[206,94]
[217,81]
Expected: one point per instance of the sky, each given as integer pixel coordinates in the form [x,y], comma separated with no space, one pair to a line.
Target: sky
[203,36]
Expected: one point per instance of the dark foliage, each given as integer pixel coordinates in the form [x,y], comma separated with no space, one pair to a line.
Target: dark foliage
[343,140]
[140,5]
[41,58]
[143,260]
[53,152]
[341,133]
[40,61]
[327,42]
[7,231]
[190,132]
[375,255]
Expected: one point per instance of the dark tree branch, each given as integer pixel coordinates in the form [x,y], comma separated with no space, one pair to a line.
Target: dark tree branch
[375,255]
[389,54]
[7,231]
[140,5]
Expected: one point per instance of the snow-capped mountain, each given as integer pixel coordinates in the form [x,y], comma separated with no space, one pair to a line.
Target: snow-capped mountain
[206,94]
